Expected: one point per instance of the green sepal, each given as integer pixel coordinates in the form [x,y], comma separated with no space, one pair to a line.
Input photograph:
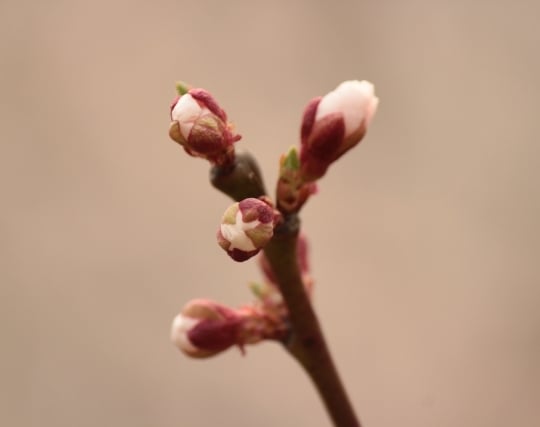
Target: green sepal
[258,289]
[182,88]
[290,160]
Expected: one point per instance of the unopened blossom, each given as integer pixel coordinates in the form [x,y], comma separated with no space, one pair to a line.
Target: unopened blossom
[333,124]
[200,125]
[246,227]
[205,328]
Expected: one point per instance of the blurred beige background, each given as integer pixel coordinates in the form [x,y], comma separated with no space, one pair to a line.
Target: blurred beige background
[425,239]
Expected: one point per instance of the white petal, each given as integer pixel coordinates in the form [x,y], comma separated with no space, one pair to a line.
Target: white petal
[351,98]
[235,233]
[186,112]
[371,110]
[180,327]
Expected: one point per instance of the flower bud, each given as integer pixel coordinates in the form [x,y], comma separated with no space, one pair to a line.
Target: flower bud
[333,124]
[246,227]
[200,125]
[205,328]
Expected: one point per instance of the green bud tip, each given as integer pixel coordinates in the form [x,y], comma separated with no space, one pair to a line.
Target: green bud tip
[257,289]
[182,88]
[291,160]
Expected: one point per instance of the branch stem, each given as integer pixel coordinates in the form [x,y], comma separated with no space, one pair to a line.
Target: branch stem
[241,179]
[306,341]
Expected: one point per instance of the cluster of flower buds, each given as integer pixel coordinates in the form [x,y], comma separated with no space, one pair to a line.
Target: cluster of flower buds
[333,124]
[200,125]
[246,227]
[205,328]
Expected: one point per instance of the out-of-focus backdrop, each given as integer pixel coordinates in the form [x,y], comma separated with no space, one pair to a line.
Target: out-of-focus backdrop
[425,238]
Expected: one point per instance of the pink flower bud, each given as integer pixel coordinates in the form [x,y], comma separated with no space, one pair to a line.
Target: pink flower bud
[246,227]
[333,124]
[200,126]
[205,328]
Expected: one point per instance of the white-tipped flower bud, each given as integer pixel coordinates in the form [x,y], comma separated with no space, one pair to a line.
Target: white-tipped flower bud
[335,123]
[246,227]
[205,328]
[200,125]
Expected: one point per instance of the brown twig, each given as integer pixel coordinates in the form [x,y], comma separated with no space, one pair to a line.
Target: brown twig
[306,341]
